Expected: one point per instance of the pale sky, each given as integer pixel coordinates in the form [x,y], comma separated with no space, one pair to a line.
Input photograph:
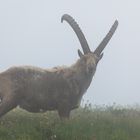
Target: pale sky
[31,34]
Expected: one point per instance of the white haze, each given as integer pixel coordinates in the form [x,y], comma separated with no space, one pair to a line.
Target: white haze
[31,34]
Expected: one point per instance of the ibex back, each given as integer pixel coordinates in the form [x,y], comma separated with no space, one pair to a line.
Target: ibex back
[60,88]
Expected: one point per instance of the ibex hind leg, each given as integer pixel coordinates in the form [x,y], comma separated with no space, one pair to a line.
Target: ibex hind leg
[7,104]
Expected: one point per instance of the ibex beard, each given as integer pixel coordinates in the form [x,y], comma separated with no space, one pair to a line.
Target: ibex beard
[61,88]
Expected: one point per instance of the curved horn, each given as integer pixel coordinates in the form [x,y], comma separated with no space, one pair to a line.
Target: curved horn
[104,42]
[78,32]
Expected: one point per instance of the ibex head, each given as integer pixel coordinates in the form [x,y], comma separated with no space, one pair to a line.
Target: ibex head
[91,58]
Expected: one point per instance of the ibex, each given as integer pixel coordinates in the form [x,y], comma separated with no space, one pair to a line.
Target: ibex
[60,88]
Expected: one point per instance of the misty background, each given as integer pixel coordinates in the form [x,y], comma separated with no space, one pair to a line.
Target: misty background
[31,34]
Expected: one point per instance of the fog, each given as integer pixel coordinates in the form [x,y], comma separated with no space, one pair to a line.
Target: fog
[31,34]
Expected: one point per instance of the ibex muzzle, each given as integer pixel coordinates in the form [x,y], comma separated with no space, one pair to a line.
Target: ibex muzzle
[60,88]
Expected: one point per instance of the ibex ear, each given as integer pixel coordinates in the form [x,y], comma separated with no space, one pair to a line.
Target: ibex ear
[80,53]
[101,56]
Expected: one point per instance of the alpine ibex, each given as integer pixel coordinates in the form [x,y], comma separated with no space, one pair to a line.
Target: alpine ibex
[61,88]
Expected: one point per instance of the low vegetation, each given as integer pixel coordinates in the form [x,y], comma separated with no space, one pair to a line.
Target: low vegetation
[88,123]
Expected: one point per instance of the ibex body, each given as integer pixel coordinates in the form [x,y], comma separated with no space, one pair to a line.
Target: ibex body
[59,88]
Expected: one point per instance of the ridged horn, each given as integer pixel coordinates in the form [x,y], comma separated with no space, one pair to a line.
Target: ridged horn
[78,32]
[104,42]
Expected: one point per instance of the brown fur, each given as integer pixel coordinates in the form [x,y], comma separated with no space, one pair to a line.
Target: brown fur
[36,89]
[60,88]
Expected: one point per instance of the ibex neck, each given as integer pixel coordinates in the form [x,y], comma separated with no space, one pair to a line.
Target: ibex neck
[81,76]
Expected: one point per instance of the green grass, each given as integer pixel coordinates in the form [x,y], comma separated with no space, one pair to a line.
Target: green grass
[98,123]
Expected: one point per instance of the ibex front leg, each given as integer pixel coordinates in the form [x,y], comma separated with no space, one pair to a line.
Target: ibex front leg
[64,114]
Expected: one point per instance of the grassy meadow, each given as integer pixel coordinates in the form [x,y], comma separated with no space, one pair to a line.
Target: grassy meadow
[88,123]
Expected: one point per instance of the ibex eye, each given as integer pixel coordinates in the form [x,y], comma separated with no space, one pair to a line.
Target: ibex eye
[91,69]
